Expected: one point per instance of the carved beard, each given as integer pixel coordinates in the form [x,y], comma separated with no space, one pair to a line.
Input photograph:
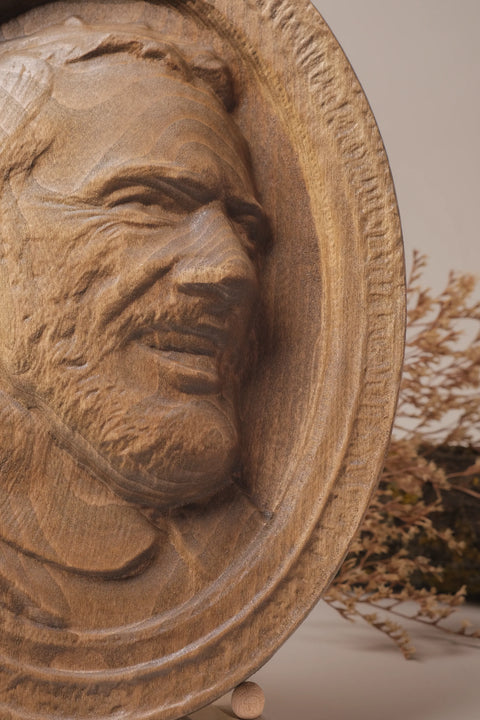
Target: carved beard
[151,442]
[167,453]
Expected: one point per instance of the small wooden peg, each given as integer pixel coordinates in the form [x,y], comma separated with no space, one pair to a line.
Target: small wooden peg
[248,701]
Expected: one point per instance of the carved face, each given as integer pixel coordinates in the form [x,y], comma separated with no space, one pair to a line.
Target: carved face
[131,276]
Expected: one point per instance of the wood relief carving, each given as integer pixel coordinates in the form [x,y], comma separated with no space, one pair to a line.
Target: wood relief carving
[200,343]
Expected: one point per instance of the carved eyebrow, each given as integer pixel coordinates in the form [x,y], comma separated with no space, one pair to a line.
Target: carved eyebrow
[149,175]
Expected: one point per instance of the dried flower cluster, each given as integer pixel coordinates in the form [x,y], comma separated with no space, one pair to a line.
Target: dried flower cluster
[439,406]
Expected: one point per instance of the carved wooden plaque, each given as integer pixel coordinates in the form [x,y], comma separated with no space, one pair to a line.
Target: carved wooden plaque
[200,343]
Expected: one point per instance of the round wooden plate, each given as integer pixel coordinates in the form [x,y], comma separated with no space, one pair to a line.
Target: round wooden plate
[235,578]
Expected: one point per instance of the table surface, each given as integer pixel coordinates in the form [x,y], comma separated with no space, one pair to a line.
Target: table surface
[331,669]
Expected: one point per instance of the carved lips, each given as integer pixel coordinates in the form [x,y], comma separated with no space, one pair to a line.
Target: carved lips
[191,357]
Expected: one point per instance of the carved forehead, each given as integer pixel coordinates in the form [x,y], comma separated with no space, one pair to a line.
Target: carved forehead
[102,93]
[109,114]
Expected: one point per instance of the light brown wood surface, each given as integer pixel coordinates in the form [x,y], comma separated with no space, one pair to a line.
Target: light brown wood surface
[248,701]
[201,336]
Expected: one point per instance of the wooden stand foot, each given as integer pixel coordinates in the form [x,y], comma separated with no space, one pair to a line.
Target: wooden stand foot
[248,701]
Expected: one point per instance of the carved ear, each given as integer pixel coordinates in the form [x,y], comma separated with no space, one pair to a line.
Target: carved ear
[25,83]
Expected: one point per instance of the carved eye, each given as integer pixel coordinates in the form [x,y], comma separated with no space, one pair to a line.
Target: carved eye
[251,230]
[162,201]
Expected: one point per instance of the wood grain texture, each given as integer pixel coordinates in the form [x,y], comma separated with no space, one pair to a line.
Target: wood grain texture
[201,330]
[248,701]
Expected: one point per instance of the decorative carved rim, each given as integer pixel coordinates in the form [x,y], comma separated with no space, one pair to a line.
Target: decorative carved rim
[329,124]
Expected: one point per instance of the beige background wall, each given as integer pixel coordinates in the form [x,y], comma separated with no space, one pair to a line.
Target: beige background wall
[419,64]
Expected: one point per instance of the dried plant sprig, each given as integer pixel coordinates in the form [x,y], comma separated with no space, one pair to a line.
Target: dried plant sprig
[439,398]
[439,405]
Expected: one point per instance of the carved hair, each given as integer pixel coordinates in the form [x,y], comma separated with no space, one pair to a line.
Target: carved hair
[75,41]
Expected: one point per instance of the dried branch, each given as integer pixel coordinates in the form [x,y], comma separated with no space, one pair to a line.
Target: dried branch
[439,406]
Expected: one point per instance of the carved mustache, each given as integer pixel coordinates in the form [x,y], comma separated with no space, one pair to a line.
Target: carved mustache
[184,329]
[200,318]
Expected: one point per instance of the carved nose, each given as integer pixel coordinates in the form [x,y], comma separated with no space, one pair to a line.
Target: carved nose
[215,263]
